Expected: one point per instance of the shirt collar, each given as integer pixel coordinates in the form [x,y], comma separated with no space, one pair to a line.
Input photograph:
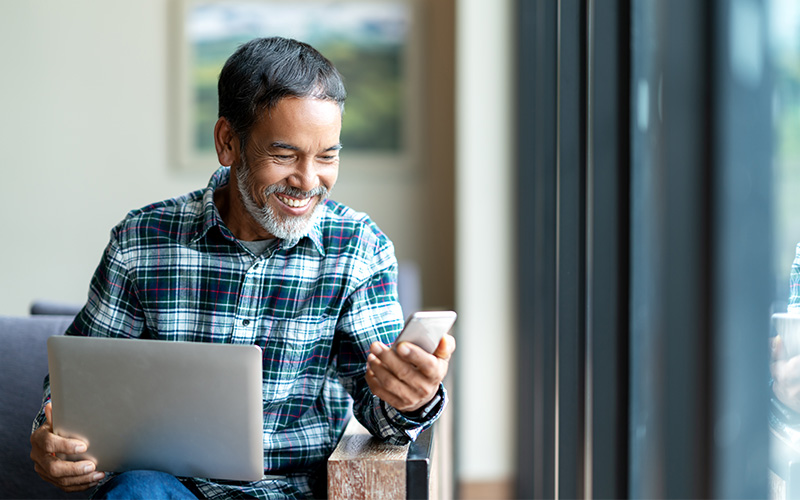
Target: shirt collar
[209,217]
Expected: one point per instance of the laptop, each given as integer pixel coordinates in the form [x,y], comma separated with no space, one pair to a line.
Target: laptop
[187,408]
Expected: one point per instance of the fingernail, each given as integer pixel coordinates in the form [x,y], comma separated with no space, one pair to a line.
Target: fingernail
[377,348]
[79,448]
[88,468]
[403,349]
[98,476]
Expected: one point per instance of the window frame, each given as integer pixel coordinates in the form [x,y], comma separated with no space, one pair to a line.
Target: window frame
[636,366]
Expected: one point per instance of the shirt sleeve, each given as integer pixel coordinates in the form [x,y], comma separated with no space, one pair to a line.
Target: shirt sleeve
[112,309]
[40,417]
[373,313]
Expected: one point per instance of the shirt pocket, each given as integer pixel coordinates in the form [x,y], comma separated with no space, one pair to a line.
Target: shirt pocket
[296,354]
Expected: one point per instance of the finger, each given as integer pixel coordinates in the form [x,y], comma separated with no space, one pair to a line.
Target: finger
[377,388]
[390,397]
[69,487]
[65,472]
[405,361]
[432,367]
[398,381]
[446,347]
[56,466]
[72,472]
[52,443]
[70,476]
[403,393]
[377,348]
[381,353]
[72,483]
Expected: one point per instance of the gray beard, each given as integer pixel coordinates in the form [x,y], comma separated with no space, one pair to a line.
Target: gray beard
[289,228]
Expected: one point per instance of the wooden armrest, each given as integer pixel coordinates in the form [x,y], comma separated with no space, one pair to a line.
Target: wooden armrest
[363,468]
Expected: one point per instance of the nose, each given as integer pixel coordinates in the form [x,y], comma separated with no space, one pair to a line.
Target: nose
[304,176]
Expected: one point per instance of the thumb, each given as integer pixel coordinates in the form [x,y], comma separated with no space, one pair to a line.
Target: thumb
[446,347]
[48,413]
[778,349]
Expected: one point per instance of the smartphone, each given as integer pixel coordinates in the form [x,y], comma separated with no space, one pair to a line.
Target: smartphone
[426,329]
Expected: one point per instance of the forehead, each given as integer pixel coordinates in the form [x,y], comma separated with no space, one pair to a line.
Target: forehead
[302,116]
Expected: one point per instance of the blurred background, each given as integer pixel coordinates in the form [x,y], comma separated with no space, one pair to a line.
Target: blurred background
[109,105]
[606,192]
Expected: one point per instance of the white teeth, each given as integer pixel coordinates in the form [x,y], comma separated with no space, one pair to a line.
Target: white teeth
[294,203]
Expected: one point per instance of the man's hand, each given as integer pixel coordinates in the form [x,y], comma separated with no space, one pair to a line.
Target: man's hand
[69,476]
[407,378]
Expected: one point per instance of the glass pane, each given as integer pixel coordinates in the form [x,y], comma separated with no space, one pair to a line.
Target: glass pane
[646,445]
[784,29]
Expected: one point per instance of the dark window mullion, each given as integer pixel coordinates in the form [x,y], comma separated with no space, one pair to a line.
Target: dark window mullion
[537,93]
[607,248]
[571,226]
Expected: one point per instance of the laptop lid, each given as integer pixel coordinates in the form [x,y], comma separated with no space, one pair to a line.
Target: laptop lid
[186,408]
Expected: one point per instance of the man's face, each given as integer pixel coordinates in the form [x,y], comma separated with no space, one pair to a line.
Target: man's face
[290,163]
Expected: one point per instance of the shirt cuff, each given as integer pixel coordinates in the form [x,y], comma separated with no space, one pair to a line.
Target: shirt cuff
[41,418]
[413,424]
[421,414]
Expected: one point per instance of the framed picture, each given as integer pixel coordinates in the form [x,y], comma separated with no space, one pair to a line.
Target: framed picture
[375,45]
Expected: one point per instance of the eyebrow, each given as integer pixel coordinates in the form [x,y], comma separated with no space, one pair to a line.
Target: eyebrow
[284,145]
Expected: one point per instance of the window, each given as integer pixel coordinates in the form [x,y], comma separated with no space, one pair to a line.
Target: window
[646,253]
[783,21]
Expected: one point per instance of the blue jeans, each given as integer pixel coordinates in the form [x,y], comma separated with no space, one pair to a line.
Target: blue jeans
[144,484]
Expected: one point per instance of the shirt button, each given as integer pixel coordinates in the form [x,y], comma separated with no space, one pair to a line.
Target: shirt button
[246,322]
[256,265]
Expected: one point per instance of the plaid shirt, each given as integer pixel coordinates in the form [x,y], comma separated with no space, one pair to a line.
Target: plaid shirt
[174,271]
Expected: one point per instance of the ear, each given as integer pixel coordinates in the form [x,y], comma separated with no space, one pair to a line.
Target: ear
[226,142]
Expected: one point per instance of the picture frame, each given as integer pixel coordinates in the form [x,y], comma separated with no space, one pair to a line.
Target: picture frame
[375,44]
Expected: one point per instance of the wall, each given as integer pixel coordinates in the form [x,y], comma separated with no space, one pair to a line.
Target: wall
[85,133]
[85,130]
[484,228]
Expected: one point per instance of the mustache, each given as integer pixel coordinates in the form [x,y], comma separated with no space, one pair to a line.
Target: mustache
[320,191]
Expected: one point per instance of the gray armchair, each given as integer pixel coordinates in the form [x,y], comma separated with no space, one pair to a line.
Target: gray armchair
[23,365]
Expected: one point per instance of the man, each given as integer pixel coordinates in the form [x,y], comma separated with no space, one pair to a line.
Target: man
[262,256]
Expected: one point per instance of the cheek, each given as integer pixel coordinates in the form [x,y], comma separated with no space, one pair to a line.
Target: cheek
[256,189]
[329,178]
[259,183]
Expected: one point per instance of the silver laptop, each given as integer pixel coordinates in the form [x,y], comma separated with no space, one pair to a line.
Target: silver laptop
[186,408]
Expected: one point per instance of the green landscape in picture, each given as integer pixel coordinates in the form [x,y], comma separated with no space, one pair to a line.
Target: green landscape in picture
[369,57]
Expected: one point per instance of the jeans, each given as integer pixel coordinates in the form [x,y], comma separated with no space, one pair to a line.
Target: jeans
[144,484]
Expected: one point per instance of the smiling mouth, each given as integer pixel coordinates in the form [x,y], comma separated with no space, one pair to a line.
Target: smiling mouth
[292,202]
